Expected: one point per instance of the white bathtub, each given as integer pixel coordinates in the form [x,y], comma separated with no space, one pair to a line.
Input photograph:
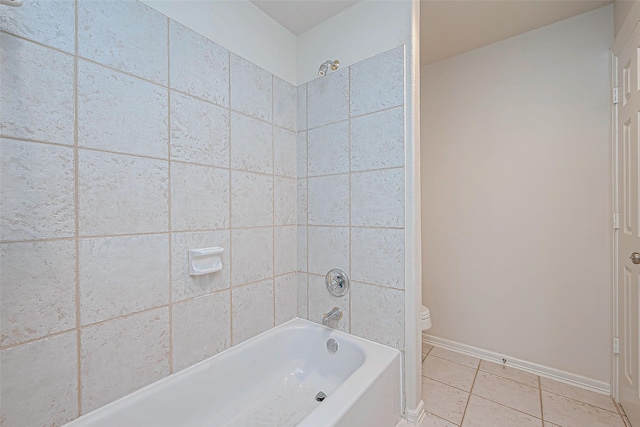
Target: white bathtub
[271,380]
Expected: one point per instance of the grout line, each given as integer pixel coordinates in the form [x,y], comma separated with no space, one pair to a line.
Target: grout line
[169,223]
[540,395]
[356,171]
[33,340]
[356,116]
[76,197]
[21,37]
[349,203]
[230,205]
[473,383]
[273,205]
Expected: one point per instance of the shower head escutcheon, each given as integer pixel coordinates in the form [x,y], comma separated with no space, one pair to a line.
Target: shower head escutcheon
[14,3]
[324,67]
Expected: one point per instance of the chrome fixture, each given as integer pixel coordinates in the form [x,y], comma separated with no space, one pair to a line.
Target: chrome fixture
[332,346]
[635,258]
[333,316]
[337,282]
[324,67]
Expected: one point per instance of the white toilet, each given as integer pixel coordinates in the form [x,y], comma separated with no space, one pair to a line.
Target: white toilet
[426,318]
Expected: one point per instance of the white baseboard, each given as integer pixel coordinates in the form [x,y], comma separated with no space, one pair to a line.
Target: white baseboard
[415,416]
[534,368]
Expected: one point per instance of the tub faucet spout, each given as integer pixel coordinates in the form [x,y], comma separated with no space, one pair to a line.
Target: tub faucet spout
[333,316]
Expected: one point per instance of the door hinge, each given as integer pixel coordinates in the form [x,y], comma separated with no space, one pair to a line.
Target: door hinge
[616,221]
[616,346]
[615,95]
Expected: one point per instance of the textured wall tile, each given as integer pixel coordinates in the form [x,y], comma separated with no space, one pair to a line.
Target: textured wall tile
[328,98]
[251,255]
[286,298]
[302,279]
[284,152]
[36,92]
[199,131]
[123,355]
[120,194]
[285,200]
[39,382]
[186,286]
[284,104]
[329,200]
[285,250]
[385,323]
[377,140]
[251,89]
[199,197]
[117,112]
[201,329]
[252,311]
[251,144]
[50,22]
[122,275]
[378,82]
[301,108]
[377,256]
[199,66]
[303,202]
[302,155]
[36,191]
[126,35]
[302,247]
[321,302]
[328,248]
[377,198]
[329,149]
[38,292]
[251,199]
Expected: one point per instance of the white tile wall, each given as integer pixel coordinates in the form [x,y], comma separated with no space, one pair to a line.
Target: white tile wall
[377,314]
[329,200]
[198,66]
[47,22]
[38,292]
[199,197]
[119,194]
[123,355]
[284,201]
[45,372]
[36,191]
[126,183]
[286,297]
[284,104]
[253,310]
[183,285]
[201,328]
[199,131]
[251,89]
[352,138]
[37,92]
[122,275]
[284,152]
[251,199]
[155,174]
[328,98]
[118,112]
[118,34]
[329,149]
[251,144]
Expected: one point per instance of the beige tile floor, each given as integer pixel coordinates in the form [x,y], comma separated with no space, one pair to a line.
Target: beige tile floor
[460,390]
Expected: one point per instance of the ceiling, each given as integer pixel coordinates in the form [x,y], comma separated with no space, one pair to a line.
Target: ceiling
[448,27]
[299,16]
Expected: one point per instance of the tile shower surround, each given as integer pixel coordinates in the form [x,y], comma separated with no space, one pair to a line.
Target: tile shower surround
[126,153]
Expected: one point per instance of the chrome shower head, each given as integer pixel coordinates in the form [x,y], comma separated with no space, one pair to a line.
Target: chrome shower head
[324,67]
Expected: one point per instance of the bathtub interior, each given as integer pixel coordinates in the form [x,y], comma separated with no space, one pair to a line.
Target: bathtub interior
[270,380]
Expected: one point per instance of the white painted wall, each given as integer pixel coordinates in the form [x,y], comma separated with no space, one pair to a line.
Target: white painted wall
[239,26]
[516,196]
[359,32]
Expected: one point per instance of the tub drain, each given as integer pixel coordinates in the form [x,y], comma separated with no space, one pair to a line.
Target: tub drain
[320,396]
